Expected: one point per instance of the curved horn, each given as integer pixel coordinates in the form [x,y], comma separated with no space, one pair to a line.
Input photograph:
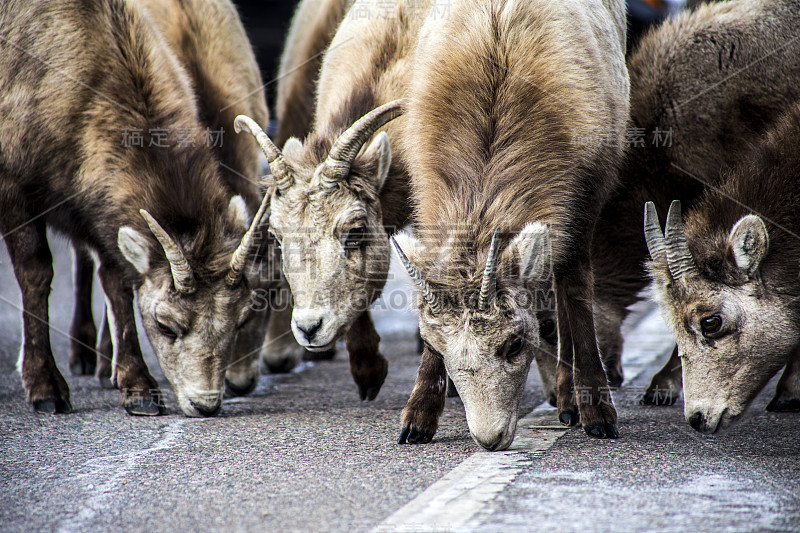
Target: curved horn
[240,255]
[277,164]
[182,276]
[337,166]
[679,258]
[652,233]
[427,293]
[489,281]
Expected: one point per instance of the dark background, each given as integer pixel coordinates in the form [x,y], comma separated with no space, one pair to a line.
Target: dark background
[267,23]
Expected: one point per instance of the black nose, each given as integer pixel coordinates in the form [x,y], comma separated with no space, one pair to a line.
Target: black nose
[207,411]
[696,421]
[310,330]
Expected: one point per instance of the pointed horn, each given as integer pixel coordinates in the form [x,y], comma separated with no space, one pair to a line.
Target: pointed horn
[242,252]
[277,164]
[652,233]
[679,258]
[489,281]
[182,276]
[344,151]
[427,293]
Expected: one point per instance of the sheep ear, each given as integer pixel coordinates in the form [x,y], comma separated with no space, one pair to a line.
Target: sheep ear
[237,213]
[410,246]
[532,250]
[748,243]
[292,148]
[380,150]
[135,248]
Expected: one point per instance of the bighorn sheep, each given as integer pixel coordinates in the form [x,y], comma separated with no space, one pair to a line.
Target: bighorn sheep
[103,141]
[496,101]
[703,85]
[334,205]
[313,27]
[726,282]
[211,45]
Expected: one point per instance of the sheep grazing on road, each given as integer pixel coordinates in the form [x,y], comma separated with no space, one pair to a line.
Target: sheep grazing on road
[703,86]
[726,282]
[103,140]
[313,27]
[335,204]
[210,44]
[497,99]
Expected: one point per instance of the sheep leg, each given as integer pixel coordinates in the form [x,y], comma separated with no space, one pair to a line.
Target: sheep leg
[105,354]
[140,392]
[580,357]
[420,417]
[787,393]
[82,331]
[367,366]
[666,385]
[33,267]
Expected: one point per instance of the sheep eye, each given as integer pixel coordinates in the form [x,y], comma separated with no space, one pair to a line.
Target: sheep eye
[355,238]
[166,330]
[514,347]
[547,328]
[711,325]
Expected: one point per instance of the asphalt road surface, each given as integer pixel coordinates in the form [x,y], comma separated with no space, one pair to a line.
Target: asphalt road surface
[302,453]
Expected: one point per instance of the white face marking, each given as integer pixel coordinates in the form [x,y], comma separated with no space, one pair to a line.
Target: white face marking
[488,353]
[724,370]
[335,250]
[192,335]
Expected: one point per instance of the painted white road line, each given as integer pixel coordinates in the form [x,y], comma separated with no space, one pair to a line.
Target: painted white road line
[455,502]
[106,473]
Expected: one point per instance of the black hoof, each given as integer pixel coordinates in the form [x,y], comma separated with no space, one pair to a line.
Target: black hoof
[369,393]
[602,431]
[411,435]
[784,406]
[52,406]
[82,369]
[105,383]
[233,390]
[144,408]
[568,418]
[282,367]
[327,355]
[615,379]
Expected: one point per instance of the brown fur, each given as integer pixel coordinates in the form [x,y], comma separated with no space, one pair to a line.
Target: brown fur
[105,69]
[498,99]
[313,26]
[716,77]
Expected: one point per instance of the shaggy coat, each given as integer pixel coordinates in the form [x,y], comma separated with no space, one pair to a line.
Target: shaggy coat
[83,90]
[334,237]
[313,27]
[210,44]
[735,310]
[498,100]
[709,81]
